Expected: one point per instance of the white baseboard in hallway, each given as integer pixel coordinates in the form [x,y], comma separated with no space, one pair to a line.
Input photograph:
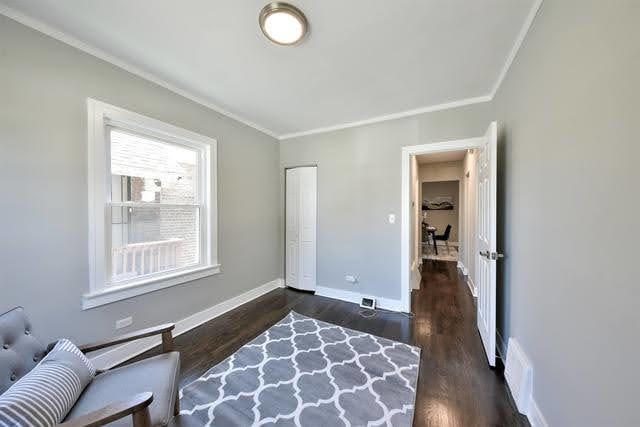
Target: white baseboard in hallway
[355,297]
[122,353]
[463,268]
[470,284]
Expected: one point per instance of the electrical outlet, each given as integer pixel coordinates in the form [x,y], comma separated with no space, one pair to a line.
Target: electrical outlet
[123,323]
[392,219]
[350,279]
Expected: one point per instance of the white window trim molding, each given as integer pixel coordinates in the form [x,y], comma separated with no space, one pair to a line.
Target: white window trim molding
[99,115]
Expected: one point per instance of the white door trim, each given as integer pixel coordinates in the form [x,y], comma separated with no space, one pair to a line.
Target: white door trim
[405,228]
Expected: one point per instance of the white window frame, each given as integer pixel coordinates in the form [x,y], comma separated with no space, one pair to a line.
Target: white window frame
[100,117]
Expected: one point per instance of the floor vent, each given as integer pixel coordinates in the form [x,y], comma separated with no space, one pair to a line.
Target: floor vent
[368,302]
[519,375]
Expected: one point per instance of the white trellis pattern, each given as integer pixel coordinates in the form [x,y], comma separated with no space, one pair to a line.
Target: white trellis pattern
[305,372]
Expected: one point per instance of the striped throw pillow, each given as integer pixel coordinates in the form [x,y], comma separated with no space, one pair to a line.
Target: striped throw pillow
[45,395]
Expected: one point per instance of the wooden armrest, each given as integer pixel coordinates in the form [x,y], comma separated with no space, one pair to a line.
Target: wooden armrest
[165,330]
[138,406]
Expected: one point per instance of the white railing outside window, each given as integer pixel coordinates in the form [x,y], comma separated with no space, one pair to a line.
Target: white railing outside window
[140,259]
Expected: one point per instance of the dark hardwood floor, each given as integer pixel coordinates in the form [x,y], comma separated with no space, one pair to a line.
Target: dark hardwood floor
[456,387]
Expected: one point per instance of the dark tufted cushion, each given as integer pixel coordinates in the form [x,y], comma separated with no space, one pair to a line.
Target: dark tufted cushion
[20,351]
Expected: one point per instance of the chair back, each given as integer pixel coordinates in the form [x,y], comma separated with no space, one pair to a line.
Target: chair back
[20,351]
[447,232]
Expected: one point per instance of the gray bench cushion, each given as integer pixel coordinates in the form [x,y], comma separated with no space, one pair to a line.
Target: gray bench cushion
[157,374]
[20,351]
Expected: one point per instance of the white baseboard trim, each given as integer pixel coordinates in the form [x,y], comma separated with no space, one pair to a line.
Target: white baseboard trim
[122,353]
[501,347]
[472,287]
[534,415]
[416,276]
[355,297]
[463,268]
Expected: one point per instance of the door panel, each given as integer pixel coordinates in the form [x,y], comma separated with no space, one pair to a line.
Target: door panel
[301,217]
[292,235]
[308,191]
[486,241]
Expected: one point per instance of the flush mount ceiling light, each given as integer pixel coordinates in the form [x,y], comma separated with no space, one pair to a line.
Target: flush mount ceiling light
[283,23]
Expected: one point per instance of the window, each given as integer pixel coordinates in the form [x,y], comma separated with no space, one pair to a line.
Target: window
[152,205]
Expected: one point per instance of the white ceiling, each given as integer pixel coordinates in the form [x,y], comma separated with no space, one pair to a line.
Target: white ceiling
[363,58]
[447,156]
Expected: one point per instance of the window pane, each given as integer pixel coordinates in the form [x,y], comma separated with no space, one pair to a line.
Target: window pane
[148,170]
[153,239]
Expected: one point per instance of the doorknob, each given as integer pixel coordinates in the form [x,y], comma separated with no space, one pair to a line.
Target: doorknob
[491,255]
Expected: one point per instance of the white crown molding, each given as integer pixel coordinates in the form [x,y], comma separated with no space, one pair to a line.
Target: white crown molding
[524,30]
[98,53]
[72,41]
[378,119]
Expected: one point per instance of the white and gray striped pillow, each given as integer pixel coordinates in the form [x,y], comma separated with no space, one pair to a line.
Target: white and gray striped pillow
[45,395]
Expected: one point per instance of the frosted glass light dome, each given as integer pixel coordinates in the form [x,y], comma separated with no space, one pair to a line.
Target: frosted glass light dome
[283,23]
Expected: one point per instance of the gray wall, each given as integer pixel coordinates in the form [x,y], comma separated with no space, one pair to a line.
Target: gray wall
[569,111]
[568,290]
[359,186]
[440,219]
[43,172]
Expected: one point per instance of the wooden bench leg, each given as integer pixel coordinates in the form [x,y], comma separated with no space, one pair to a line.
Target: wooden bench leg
[176,406]
[142,418]
[167,342]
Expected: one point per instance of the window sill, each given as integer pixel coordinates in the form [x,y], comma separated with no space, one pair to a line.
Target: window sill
[130,290]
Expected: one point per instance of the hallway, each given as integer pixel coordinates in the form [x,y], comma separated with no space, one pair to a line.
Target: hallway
[456,387]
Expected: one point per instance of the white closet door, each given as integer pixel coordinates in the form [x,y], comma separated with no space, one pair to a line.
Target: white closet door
[301,216]
[292,235]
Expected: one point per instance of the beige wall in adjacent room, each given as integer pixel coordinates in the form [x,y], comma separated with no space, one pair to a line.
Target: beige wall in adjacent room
[441,218]
[441,171]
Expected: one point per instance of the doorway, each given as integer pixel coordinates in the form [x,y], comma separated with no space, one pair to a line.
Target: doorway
[443,208]
[479,243]
[301,195]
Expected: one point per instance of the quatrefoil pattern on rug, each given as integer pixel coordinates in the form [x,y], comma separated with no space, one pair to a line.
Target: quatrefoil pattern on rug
[304,372]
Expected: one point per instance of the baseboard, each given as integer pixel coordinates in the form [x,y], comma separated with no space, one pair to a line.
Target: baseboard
[534,415]
[472,287]
[355,297]
[463,268]
[501,347]
[532,411]
[124,352]
[416,276]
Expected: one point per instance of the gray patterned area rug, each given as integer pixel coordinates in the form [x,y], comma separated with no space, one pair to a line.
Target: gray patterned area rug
[304,372]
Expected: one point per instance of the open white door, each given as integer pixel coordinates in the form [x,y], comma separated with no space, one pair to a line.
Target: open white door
[300,233]
[487,240]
